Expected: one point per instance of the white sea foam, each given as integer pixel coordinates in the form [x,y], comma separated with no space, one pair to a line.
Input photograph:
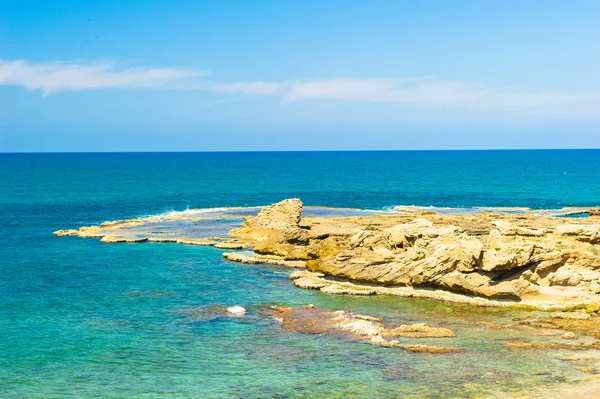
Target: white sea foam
[190,212]
[566,211]
[236,309]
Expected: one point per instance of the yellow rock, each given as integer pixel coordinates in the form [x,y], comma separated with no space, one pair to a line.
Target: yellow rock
[592,308]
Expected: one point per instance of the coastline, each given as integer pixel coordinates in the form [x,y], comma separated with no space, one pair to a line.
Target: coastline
[287,243]
[282,235]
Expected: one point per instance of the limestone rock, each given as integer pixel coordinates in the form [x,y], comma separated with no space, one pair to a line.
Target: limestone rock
[564,278]
[508,229]
[372,330]
[487,259]
[280,216]
[66,233]
[569,335]
[582,232]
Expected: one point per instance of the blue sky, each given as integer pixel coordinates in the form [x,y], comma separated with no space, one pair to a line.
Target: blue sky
[298,75]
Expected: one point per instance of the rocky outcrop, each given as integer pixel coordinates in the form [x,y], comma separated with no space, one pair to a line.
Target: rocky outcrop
[500,257]
[485,258]
[283,215]
[581,232]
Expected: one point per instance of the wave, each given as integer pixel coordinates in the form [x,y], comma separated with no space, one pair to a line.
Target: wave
[324,211]
[565,211]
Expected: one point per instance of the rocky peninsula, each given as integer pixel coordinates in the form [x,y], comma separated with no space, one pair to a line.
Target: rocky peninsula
[493,259]
[483,258]
[549,266]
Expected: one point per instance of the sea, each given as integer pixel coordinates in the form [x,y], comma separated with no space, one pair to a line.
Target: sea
[83,319]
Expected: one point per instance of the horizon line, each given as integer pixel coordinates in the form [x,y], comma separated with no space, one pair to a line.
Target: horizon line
[291,151]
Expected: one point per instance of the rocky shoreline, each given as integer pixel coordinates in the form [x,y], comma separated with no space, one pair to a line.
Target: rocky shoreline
[488,259]
[483,259]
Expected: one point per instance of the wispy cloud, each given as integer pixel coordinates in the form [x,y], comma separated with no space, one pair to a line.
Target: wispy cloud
[53,77]
[442,93]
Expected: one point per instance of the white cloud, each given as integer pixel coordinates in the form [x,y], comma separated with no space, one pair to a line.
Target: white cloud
[446,93]
[344,89]
[52,77]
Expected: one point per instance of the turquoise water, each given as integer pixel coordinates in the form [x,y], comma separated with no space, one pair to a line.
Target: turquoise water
[83,319]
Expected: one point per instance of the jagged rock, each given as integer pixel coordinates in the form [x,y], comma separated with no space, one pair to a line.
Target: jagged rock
[508,229]
[595,287]
[581,232]
[280,216]
[564,278]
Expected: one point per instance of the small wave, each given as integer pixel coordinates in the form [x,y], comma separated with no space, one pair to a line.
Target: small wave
[198,211]
[479,209]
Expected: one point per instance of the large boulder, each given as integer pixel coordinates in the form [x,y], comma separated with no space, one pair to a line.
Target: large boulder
[280,216]
[274,225]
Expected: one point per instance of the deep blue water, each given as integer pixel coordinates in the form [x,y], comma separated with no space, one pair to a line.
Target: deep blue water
[83,319]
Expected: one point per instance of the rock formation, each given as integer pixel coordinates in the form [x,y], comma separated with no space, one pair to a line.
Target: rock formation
[486,258]
[362,328]
[501,257]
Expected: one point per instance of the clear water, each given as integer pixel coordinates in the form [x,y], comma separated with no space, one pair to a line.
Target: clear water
[83,319]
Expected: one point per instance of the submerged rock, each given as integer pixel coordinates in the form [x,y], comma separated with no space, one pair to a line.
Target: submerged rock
[552,345]
[362,328]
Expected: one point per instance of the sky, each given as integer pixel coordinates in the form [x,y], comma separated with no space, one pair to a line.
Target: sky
[298,75]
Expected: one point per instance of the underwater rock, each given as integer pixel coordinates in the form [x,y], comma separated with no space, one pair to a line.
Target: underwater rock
[576,322]
[552,345]
[362,328]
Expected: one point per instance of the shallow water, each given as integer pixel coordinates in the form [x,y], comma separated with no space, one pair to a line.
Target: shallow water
[79,318]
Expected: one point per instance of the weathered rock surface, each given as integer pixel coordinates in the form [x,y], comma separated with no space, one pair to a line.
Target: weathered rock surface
[501,257]
[280,216]
[487,258]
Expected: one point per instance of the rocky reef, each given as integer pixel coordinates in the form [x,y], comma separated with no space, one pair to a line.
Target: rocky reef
[485,258]
[368,329]
[492,258]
